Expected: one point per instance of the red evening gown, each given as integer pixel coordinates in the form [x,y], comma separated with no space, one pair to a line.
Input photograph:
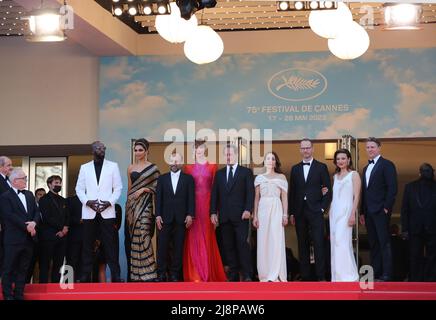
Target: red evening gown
[201,258]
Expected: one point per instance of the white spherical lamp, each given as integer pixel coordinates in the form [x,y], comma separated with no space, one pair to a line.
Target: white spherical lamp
[173,28]
[350,43]
[204,45]
[328,23]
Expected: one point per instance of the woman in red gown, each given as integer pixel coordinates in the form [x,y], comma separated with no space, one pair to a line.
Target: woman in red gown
[201,258]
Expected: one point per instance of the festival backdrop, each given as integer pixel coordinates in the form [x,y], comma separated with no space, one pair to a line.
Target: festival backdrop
[385,93]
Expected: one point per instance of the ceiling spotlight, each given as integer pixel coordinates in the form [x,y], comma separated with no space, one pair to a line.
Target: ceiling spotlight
[298,5]
[45,25]
[115,1]
[118,11]
[132,10]
[314,5]
[328,4]
[306,5]
[162,8]
[403,16]
[147,10]
[282,5]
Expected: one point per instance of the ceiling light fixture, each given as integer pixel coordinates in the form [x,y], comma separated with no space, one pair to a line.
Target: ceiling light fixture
[305,5]
[402,16]
[46,24]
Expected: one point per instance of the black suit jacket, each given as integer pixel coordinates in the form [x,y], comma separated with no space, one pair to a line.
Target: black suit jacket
[418,212]
[175,207]
[317,178]
[229,202]
[75,231]
[54,214]
[4,186]
[15,217]
[382,189]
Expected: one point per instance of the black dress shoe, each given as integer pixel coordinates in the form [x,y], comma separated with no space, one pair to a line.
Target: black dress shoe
[321,280]
[246,278]
[233,277]
[84,279]
[383,279]
[174,279]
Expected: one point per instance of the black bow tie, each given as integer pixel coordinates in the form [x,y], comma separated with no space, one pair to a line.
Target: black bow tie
[306,163]
[20,191]
[371,161]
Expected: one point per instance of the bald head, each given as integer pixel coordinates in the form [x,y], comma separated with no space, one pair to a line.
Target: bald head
[5,166]
[98,150]
[176,162]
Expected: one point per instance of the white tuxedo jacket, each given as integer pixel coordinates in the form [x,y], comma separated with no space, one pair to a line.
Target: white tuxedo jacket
[108,189]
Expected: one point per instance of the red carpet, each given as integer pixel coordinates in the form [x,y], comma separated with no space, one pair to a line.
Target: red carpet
[233,291]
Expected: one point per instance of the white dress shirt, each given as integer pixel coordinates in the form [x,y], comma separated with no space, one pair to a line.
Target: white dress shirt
[369,170]
[22,198]
[175,180]
[306,168]
[4,177]
[228,170]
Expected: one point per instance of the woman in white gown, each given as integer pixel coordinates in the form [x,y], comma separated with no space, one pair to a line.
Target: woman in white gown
[270,218]
[342,218]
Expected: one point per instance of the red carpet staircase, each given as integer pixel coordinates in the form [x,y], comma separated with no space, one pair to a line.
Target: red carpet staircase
[233,291]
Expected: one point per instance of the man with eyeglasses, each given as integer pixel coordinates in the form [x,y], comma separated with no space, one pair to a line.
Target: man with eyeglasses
[20,217]
[307,204]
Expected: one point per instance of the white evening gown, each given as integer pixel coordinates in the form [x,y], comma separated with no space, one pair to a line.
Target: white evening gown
[343,262]
[271,248]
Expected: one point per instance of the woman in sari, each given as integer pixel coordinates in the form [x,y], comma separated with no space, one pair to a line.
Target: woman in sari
[142,178]
[201,258]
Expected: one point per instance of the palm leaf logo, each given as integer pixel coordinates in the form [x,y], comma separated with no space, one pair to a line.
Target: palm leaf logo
[297,83]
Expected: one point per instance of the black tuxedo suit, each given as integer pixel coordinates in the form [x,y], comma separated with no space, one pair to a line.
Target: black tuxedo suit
[229,201]
[307,204]
[18,243]
[378,195]
[418,218]
[55,216]
[4,186]
[173,209]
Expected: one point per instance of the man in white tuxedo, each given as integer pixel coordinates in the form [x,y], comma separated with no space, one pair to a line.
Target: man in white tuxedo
[98,188]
